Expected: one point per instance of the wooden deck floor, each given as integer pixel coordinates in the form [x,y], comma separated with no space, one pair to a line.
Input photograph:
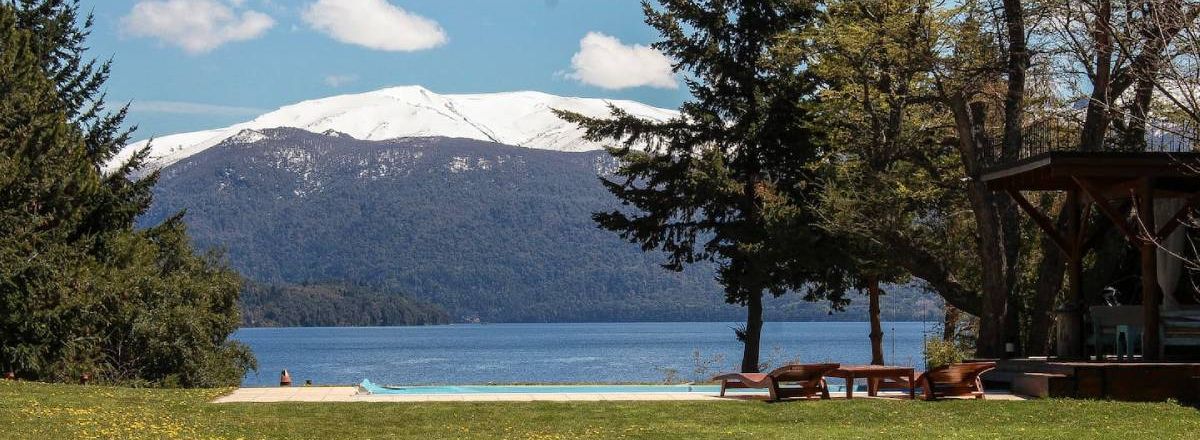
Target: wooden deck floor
[1129,380]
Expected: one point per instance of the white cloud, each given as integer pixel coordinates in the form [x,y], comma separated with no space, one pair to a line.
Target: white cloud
[336,81]
[604,62]
[375,24]
[192,108]
[196,26]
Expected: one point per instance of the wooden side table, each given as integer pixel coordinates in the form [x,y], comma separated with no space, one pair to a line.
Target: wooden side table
[874,374]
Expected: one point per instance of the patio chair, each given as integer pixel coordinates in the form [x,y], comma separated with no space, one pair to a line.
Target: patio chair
[805,380]
[954,380]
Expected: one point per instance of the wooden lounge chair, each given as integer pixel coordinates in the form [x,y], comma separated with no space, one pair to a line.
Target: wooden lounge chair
[807,380]
[954,380]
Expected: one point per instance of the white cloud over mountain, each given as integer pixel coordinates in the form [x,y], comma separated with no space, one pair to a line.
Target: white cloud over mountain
[605,62]
[374,24]
[338,80]
[196,26]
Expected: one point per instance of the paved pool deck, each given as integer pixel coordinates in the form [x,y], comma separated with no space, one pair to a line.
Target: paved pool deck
[352,394]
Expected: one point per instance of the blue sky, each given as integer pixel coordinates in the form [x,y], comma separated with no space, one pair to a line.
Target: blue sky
[195,64]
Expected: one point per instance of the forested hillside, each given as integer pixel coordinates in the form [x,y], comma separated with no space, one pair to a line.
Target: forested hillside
[332,305]
[480,229]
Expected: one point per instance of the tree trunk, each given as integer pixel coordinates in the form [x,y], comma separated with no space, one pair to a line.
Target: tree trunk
[991,337]
[1050,272]
[748,279]
[995,290]
[1014,140]
[876,327]
[968,123]
[1018,63]
[1014,309]
[1096,121]
[753,335]
[950,323]
[1139,109]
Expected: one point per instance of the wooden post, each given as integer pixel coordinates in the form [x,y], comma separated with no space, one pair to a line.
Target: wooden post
[1072,316]
[876,326]
[1070,335]
[1151,340]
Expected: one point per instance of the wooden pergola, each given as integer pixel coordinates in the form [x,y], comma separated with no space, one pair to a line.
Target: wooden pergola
[1099,179]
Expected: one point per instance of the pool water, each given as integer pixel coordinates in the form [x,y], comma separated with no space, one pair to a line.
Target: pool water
[373,388]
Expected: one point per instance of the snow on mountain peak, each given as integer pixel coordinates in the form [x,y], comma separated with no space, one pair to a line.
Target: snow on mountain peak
[523,119]
[248,136]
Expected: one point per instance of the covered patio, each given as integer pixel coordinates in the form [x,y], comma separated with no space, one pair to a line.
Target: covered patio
[1146,196]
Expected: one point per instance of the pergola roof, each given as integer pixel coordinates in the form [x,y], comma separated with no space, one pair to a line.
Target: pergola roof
[1174,174]
[1095,179]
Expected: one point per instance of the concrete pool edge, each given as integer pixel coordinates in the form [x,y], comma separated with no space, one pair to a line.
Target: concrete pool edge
[352,394]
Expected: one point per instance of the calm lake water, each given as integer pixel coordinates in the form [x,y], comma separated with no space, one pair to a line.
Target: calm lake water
[516,353]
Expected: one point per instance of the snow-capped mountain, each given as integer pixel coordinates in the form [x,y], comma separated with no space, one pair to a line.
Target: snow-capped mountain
[523,119]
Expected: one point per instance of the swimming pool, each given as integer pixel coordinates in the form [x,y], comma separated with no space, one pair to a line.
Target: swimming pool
[373,388]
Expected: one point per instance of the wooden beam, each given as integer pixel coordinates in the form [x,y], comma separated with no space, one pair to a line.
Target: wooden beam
[1107,210]
[1085,217]
[1177,219]
[1070,340]
[1118,189]
[1152,340]
[1042,221]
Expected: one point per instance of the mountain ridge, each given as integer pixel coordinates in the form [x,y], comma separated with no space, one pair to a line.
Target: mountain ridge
[522,119]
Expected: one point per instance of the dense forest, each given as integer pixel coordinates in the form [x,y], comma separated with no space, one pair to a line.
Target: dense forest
[483,230]
[331,305]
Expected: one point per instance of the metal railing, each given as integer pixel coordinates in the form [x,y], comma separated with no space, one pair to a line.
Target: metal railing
[1057,133]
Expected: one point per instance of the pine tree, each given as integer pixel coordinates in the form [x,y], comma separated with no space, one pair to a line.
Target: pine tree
[61,54]
[732,179]
[45,178]
[81,291]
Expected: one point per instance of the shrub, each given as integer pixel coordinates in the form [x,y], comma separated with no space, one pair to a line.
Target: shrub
[940,352]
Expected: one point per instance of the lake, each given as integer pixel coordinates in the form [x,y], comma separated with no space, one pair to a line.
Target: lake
[592,352]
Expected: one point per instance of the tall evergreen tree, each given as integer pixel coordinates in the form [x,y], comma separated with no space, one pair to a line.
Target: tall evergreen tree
[59,46]
[732,178]
[81,291]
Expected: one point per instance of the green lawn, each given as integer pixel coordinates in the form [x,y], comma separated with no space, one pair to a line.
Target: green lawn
[35,411]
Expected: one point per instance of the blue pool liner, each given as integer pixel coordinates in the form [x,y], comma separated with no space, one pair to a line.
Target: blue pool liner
[370,387]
